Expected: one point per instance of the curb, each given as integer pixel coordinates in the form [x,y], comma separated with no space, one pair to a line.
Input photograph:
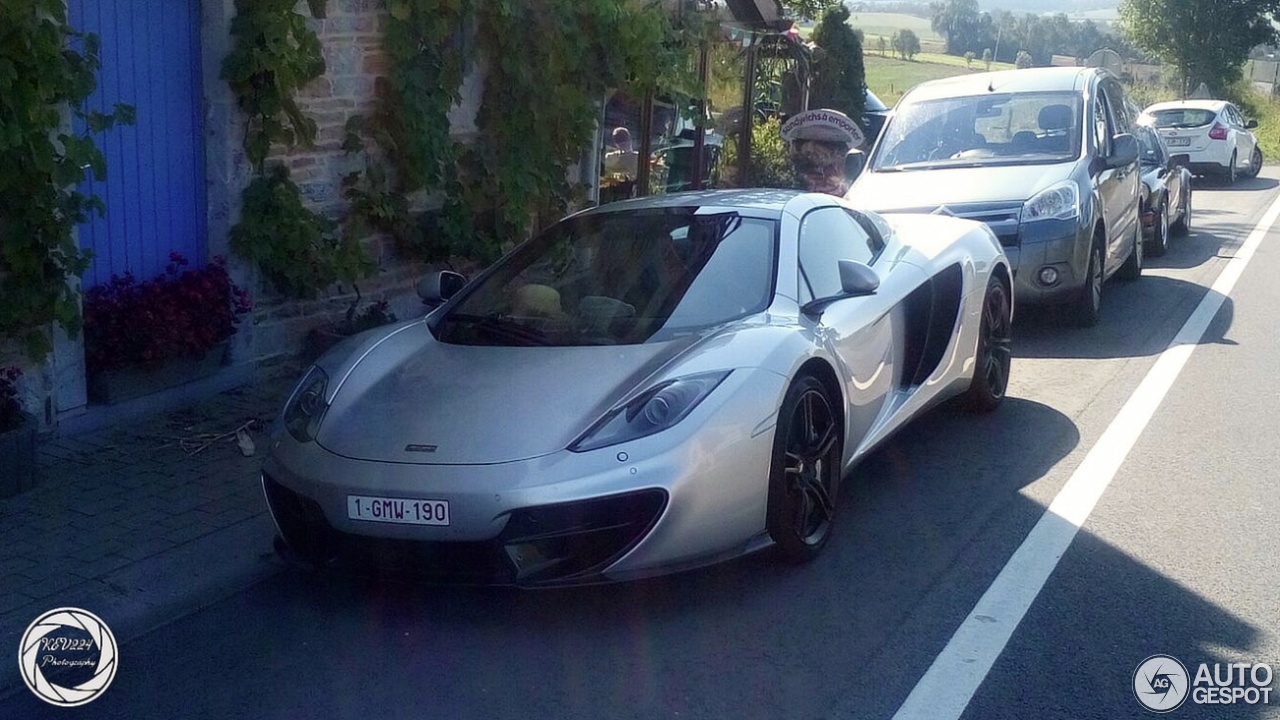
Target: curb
[140,597]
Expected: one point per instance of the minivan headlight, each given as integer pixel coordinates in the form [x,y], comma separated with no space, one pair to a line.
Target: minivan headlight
[1056,202]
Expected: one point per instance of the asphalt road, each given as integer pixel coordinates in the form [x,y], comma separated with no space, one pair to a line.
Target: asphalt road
[1179,557]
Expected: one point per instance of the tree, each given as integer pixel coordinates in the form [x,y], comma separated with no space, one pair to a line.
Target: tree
[1206,41]
[986,57]
[959,22]
[882,45]
[1023,60]
[808,9]
[906,43]
[839,79]
[968,59]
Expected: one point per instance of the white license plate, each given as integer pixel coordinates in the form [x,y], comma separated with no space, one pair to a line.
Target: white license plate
[1177,142]
[403,511]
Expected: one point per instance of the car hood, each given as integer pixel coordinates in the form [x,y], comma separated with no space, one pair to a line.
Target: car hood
[412,399]
[926,190]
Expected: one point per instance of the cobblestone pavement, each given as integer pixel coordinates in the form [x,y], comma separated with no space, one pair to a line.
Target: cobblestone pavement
[141,523]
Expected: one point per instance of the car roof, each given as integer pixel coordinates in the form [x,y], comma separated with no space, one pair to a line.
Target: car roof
[1050,79]
[764,202]
[1212,105]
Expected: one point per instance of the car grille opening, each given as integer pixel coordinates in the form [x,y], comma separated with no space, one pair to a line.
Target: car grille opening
[544,545]
[574,541]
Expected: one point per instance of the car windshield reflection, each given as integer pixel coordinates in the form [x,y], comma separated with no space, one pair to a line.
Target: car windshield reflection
[623,277]
[983,130]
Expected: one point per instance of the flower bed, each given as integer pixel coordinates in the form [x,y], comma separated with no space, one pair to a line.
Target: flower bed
[183,313]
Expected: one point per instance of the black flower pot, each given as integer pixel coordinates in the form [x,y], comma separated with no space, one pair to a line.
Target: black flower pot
[18,458]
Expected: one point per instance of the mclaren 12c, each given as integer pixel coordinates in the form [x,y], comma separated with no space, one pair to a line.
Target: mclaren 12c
[646,387]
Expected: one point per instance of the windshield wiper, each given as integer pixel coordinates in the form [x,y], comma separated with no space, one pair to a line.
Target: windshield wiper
[500,326]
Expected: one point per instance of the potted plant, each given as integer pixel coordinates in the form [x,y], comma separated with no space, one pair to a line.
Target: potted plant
[17,438]
[355,320]
[142,337]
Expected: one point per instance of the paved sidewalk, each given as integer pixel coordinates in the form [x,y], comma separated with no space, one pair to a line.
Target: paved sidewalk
[141,524]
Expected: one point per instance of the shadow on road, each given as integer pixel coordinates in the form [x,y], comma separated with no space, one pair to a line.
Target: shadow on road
[925,525]
[1138,319]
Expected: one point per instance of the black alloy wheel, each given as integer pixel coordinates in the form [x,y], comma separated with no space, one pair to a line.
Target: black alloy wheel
[994,355]
[804,478]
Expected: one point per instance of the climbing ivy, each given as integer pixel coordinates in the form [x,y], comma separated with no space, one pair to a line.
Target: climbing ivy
[42,74]
[299,251]
[424,42]
[275,54]
[547,66]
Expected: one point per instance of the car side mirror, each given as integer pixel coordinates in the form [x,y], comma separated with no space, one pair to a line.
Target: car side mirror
[434,289]
[857,279]
[1250,124]
[1124,151]
[1182,159]
[854,162]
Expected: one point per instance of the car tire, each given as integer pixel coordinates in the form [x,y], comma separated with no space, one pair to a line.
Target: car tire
[1183,225]
[1132,268]
[1087,307]
[1255,162]
[1230,174]
[804,475]
[1159,244]
[994,354]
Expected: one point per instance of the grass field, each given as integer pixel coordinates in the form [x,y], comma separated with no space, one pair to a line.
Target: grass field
[887,24]
[890,77]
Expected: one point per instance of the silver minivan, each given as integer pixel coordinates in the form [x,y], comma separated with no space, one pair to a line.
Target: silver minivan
[1044,156]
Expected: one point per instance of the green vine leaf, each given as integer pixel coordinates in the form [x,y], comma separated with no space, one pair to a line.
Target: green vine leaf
[42,74]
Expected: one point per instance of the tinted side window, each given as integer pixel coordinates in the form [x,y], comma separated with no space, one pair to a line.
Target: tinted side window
[1101,132]
[1120,120]
[828,236]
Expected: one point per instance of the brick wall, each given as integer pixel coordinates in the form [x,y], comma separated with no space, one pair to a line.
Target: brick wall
[351,37]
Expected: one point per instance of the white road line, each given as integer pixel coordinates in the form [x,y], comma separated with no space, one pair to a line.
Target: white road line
[950,682]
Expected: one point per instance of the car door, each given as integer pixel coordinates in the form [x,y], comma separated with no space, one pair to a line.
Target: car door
[859,332]
[1245,141]
[1118,187]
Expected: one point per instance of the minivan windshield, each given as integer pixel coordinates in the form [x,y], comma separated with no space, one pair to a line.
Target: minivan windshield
[623,277]
[980,130]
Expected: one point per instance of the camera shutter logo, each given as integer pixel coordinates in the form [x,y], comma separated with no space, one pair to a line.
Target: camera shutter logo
[1161,683]
[67,657]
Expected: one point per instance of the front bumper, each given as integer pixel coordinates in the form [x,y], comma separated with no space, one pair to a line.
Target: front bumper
[683,497]
[1056,244]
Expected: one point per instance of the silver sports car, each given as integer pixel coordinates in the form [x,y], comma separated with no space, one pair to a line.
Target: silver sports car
[646,387]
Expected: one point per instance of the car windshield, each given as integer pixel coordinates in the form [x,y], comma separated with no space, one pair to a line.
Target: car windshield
[622,277]
[981,130]
[1182,117]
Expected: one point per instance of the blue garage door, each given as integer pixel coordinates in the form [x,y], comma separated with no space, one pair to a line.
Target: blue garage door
[154,189]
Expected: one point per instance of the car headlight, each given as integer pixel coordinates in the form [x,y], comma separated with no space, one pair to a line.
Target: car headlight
[652,411]
[306,407]
[1056,202]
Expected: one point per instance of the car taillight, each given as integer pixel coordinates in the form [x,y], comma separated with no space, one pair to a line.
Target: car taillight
[1218,132]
